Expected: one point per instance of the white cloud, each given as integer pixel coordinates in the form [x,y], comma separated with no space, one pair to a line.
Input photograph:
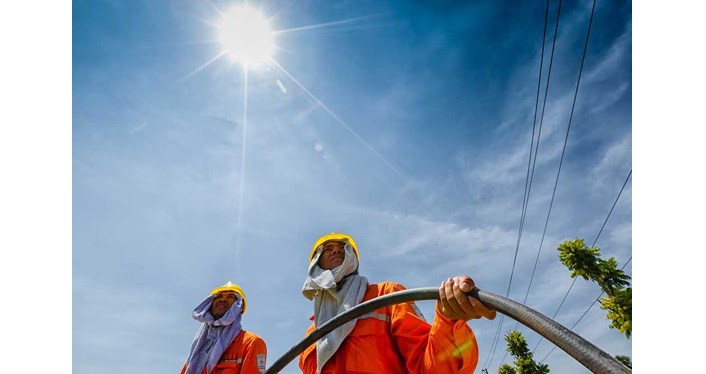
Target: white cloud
[605,175]
[606,66]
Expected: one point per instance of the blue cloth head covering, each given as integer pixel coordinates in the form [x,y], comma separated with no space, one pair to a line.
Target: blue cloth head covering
[214,336]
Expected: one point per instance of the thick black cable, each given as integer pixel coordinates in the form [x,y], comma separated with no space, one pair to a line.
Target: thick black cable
[584,313]
[583,351]
[593,245]
[530,175]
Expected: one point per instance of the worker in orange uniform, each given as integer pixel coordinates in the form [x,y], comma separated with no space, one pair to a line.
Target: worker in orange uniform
[221,345]
[394,339]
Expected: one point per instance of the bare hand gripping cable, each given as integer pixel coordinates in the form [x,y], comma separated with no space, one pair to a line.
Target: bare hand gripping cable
[579,348]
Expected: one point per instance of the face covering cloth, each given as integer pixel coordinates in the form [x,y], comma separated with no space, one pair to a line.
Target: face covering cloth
[214,336]
[334,291]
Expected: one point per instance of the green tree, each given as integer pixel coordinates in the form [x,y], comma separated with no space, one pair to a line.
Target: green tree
[506,369]
[619,306]
[625,360]
[586,263]
[524,362]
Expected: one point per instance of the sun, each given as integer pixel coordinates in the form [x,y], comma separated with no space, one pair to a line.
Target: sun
[245,36]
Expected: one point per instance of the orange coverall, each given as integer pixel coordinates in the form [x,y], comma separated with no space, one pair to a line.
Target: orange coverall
[246,355]
[395,339]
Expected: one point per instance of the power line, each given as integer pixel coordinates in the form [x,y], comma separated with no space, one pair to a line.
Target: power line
[529,177]
[593,245]
[613,207]
[563,152]
[556,182]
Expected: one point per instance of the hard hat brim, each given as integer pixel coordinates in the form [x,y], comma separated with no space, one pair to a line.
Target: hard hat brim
[334,236]
[231,287]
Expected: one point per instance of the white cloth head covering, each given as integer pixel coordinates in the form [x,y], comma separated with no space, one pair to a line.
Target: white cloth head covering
[333,291]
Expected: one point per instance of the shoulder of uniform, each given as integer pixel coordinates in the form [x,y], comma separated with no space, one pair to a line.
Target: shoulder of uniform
[388,287]
[251,337]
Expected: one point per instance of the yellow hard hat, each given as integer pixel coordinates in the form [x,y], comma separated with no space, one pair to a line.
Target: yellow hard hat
[337,237]
[230,286]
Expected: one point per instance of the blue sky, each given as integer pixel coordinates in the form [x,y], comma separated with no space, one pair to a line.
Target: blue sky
[412,135]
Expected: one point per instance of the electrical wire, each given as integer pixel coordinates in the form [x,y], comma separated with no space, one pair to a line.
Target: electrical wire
[563,152]
[593,245]
[530,175]
[584,313]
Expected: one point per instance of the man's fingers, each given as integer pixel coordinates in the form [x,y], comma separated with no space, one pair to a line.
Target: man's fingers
[463,301]
[457,304]
[492,315]
[488,313]
[482,309]
[465,283]
[445,307]
[453,303]
[455,311]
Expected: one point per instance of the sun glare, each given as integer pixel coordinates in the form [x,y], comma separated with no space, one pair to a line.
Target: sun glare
[246,36]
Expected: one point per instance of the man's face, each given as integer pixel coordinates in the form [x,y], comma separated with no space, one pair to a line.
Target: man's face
[221,303]
[332,255]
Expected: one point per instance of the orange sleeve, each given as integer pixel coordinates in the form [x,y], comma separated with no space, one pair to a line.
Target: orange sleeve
[307,364]
[446,346]
[183,369]
[254,357]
